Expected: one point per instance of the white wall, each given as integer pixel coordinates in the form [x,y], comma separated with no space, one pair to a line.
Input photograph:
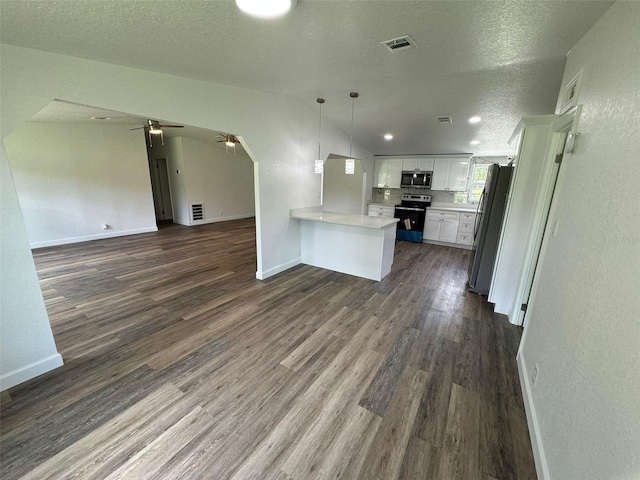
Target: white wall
[583,325]
[279,133]
[343,193]
[222,181]
[73,178]
[27,348]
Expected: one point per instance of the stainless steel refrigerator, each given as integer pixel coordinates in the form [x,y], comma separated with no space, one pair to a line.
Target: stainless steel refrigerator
[486,233]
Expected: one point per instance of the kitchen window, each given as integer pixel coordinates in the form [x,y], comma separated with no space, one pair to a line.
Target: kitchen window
[477,179]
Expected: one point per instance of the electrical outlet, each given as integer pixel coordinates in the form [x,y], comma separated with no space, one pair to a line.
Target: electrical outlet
[534,374]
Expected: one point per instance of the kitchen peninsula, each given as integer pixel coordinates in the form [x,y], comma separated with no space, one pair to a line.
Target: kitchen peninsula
[354,244]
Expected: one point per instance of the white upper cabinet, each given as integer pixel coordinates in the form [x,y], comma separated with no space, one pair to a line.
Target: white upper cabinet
[450,174]
[440,174]
[388,172]
[458,173]
[422,164]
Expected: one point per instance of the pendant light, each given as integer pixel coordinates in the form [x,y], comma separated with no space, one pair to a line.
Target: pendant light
[319,163]
[350,163]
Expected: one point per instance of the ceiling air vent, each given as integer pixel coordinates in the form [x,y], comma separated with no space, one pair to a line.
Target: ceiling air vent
[445,120]
[400,43]
[197,212]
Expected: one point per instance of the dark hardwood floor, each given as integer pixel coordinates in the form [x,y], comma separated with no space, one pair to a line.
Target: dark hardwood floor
[180,364]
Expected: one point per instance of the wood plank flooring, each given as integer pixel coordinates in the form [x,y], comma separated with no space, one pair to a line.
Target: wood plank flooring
[180,364]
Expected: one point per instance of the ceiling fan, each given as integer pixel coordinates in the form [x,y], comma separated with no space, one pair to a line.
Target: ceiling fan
[154,127]
[229,141]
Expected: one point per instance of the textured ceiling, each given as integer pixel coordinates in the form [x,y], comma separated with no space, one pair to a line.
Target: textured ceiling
[498,59]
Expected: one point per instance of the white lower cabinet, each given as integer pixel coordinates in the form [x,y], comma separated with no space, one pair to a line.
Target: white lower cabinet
[449,226]
[441,225]
[465,228]
[381,210]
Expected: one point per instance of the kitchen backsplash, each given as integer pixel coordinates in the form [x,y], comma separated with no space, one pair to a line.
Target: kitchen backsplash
[394,195]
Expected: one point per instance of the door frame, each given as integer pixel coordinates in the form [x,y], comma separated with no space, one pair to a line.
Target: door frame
[562,126]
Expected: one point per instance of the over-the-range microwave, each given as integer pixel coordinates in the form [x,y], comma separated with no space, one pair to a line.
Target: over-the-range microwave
[416,179]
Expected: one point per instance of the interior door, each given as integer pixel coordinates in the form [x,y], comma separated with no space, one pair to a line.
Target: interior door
[160,189]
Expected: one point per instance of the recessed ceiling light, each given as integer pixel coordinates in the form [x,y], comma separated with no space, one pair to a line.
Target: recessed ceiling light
[475,142]
[474,120]
[265,8]
[388,136]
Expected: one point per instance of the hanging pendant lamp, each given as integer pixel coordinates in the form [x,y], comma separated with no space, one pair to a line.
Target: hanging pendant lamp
[350,163]
[319,163]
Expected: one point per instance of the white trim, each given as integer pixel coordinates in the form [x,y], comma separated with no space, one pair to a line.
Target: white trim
[570,93]
[88,238]
[542,469]
[32,370]
[263,275]
[221,219]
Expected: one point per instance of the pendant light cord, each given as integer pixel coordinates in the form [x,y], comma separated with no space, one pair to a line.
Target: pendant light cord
[353,96]
[320,101]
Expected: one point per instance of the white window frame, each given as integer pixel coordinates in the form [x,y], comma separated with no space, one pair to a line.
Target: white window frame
[472,183]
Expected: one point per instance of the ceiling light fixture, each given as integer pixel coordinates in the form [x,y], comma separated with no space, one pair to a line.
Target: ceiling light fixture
[153,127]
[319,164]
[475,142]
[474,120]
[350,163]
[265,8]
[388,136]
[229,142]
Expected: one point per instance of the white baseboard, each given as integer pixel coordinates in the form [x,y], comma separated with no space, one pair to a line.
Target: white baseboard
[221,219]
[532,421]
[22,374]
[88,238]
[264,274]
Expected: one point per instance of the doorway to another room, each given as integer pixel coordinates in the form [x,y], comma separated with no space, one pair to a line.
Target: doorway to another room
[161,191]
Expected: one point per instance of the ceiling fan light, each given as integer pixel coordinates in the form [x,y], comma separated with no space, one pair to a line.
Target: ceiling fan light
[229,143]
[265,8]
[155,131]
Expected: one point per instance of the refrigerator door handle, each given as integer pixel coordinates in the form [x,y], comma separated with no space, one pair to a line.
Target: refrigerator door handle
[479,213]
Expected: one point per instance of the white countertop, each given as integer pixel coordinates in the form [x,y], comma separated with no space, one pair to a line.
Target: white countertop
[382,204]
[452,207]
[316,215]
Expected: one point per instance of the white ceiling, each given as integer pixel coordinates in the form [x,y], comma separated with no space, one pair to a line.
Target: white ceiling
[498,59]
[66,112]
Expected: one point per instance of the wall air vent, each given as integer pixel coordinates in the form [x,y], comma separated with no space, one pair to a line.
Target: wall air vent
[445,120]
[197,212]
[400,43]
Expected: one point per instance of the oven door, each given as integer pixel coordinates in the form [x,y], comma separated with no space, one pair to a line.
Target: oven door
[410,223]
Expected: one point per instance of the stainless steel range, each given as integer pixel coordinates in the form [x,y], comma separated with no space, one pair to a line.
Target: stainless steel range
[411,214]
